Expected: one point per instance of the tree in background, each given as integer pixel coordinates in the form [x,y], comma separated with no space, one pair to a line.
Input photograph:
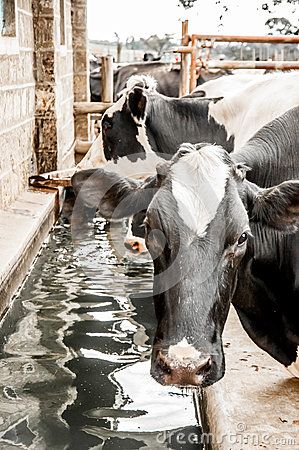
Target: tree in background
[119,46]
[276,24]
[281,25]
[158,44]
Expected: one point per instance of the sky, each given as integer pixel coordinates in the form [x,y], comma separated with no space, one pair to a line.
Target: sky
[142,18]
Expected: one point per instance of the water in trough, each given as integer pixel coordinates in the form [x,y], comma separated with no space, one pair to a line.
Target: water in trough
[74,356]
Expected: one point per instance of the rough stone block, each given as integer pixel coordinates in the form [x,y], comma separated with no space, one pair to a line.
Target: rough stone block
[25,27]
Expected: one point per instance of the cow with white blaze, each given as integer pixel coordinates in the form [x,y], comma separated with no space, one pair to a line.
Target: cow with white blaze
[218,234]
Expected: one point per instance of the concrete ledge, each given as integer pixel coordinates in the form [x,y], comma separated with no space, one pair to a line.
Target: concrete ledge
[256,404]
[23,228]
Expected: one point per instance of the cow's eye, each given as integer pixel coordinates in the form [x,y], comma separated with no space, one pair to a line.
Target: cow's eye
[242,239]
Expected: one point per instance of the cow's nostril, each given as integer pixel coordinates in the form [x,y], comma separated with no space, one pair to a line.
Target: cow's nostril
[162,367]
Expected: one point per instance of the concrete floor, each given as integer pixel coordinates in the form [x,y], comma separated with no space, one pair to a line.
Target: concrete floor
[23,228]
[256,404]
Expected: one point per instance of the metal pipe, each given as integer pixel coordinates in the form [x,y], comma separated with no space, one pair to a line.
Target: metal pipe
[179,50]
[271,65]
[289,39]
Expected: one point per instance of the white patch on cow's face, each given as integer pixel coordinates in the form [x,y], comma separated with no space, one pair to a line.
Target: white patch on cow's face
[198,184]
[294,367]
[117,106]
[144,142]
[183,354]
[141,168]
[143,139]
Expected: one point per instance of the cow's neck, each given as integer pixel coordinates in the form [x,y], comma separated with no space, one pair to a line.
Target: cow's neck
[268,285]
[171,122]
[272,153]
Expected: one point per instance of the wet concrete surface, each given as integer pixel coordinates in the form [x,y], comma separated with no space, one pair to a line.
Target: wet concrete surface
[74,356]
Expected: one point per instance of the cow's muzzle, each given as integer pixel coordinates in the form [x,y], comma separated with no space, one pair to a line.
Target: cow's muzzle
[192,372]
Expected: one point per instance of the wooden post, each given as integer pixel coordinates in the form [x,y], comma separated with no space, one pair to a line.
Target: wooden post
[185,62]
[193,64]
[107,79]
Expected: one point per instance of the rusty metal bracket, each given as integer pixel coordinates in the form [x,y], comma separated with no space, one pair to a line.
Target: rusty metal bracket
[39,182]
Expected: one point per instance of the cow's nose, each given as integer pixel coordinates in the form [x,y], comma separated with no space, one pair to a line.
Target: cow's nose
[188,373]
[136,245]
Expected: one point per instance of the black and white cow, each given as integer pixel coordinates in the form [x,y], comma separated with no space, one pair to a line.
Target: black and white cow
[143,127]
[217,237]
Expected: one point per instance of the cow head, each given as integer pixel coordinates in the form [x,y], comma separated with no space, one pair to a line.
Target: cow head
[128,114]
[197,228]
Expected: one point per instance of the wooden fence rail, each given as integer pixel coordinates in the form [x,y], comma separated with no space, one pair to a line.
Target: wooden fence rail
[91,107]
[290,39]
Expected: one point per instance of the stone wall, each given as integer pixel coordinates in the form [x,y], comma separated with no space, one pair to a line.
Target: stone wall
[81,65]
[37,85]
[54,130]
[17,106]
[64,89]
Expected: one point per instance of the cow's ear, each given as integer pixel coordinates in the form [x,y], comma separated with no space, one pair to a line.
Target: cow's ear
[115,197]
[277,207]
[216,99]
[195,94]
[162,170]
[137,103]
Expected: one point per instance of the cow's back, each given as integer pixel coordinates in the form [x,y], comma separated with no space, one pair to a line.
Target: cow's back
[245,112]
